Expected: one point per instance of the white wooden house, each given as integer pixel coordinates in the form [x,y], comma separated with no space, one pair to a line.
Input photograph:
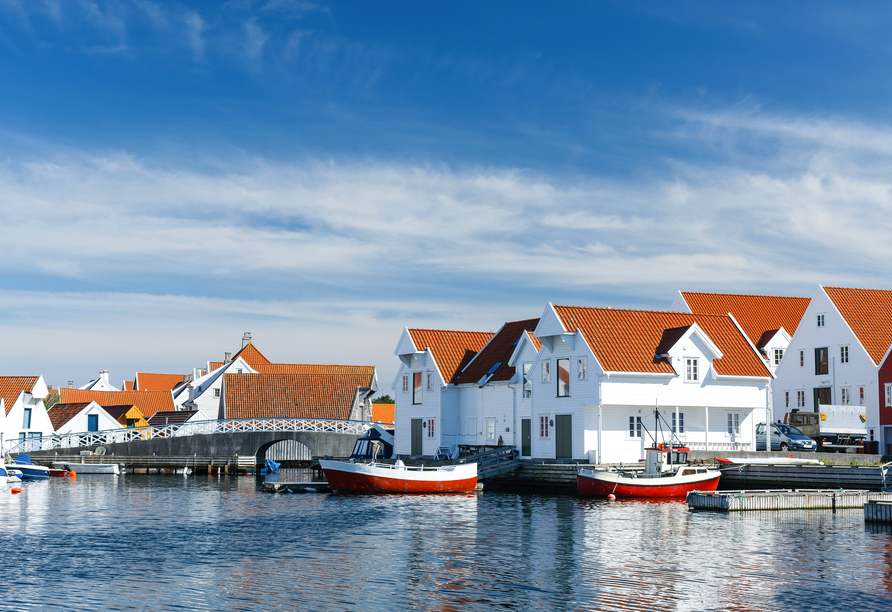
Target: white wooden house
[81,417]
[25,414]
[835,354]
[601,375]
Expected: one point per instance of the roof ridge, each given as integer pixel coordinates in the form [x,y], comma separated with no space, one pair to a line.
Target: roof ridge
[859,289]
[454,331]
[669,312]
[795,297]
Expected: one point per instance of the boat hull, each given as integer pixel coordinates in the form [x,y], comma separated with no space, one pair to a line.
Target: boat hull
[30,471]
[345,477]
[88,468]
[603,484]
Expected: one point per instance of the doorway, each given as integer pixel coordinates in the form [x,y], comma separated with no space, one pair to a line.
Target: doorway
[526,438]
[822,397]
[563,436]
[416,437]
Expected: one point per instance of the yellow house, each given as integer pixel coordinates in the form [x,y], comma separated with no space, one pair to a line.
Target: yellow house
[128,416]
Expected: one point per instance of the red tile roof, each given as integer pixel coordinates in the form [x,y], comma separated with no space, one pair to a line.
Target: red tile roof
[452,350]
[322,396]
[128,385]
[250,354]
[12,386]
[158,382]
[756,314]
[869,313]
[366,373]
[627,340]
[385,413]
[148,402]
[497,351]
[62,413]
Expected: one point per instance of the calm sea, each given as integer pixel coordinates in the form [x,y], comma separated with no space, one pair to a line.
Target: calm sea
[150,542]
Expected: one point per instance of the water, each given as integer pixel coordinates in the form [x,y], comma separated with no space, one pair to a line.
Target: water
[149,542]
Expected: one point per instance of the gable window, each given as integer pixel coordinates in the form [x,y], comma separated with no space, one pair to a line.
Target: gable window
[820,320]
[430,381]
[801,359]
[239,370]
[786,399]
[845,396]
[26,419]
[416,387]
[581,370]
[527,383]
[546,371]
[131,423]
[405,383]
[490,429]
[691,370]
[733,424]
[543,425]
[821,361]
[634,427]
[92,422]
[843,354]
[861,396]
[563,378]
[678,428]
[800,398]
[430,428]
[778,355]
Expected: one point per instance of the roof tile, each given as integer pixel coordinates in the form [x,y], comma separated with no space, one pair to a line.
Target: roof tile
[62,413]
[452,350]
[289,395]
[497,351]
[756,314]
[158,382]
[869,313]
[12,386]
[148,402]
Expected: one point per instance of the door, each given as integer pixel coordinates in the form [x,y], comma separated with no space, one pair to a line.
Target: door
[92,422]
[563,436]
[526,438]
[822,397]
[416,437]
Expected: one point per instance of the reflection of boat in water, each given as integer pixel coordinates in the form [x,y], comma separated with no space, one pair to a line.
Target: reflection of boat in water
[343,476]
[30,471]
[667,475]
[87,468]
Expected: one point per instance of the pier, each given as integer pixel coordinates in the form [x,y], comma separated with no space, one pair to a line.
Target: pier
[877,511]
[801,499]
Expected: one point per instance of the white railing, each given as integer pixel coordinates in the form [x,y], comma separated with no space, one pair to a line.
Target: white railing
[177,430]
[720,446]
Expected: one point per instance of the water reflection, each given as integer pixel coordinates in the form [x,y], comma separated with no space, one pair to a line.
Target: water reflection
[140,542]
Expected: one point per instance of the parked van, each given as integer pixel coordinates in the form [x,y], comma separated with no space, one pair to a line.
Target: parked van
[784,437]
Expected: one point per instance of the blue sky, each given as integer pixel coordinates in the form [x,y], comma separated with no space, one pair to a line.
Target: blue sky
[324,174]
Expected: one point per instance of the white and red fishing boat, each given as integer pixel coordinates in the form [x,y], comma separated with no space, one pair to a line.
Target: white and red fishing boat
[666,475]
[347,477]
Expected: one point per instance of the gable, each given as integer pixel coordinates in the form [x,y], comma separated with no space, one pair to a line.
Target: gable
[868,313]
[13,386]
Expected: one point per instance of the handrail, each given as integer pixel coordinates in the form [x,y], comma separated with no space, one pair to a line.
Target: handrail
[177,430]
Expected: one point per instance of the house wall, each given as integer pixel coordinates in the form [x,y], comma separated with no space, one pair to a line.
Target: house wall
[885,412]
[429,408]
[40,421]
[492,401]
[79,423]
[206,398]
[859,372]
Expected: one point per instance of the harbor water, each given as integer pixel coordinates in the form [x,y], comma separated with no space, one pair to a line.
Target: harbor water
[165,542]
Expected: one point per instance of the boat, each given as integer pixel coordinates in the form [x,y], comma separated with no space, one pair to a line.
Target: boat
[374,477]
[8,475]
[667,475]
[87,468]
[30,471]
[791,460]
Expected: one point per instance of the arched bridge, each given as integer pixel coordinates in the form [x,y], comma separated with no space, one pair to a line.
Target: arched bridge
[222,438]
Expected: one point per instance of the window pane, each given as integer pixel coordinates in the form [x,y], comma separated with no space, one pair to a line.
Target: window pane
[416,395]
[563,383]
[821,360]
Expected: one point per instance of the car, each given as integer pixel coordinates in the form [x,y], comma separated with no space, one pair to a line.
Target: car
[784,437]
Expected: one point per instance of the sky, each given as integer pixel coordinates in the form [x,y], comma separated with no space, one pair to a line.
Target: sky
[325,174]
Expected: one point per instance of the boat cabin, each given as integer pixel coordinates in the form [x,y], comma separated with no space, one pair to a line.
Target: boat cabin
[666,458]
[378,436]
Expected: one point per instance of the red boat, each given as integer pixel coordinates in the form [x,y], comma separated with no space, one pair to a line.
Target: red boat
[347,477]
[666,475]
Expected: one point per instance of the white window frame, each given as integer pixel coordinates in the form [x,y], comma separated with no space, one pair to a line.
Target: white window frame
[491,429]
[786,399]
[581,369]
[801,359]
[692,370]
[544,428]
[844,353]
[558,389]
[778,355]
[845,396]
[546,370]
[430,380]
[405,383]
[680,431]
[634,431]
[888,387]
[821,320]
[417,393]
[527,390]
[860,396]
[733,428]
[800,398]
[430,427]
[217,392]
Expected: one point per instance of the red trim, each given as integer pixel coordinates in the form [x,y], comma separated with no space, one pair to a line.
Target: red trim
[601,488]
[365,483]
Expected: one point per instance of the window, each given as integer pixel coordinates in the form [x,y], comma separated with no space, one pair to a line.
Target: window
[527,383]
[843,354]
[634,427]
[131,422]
[416,387]
[216,392]
[800,399]
[490,429]
[581,370]
[821,361]
[430,428]
[801,359]
[680,425]
[845,396]
[26,419]
[820,320]
[871,434]
[786,399]
[405,383]
[543,425]
[563,378]
[92,422]
[35,434]
[546,371]
[734,424]
[778,355]
[239,370]
[691,370]
[888,394]
[430,380]
[861,396]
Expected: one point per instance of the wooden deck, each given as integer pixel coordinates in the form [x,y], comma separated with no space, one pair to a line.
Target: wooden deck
[803,476]
[797,499]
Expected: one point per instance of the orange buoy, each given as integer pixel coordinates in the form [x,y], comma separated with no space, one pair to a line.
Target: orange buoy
[15,490]
[72,474]
[611,497]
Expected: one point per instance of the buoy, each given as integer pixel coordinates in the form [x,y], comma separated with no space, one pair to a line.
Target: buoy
[15,490]
[611,497]
[72,474]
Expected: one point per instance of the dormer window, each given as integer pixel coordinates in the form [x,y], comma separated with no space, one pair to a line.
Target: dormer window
[691,370]
[778,355]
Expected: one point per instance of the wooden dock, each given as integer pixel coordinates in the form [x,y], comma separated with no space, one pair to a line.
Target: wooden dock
[795,476]
[195,463]
[877,511]
[796,499]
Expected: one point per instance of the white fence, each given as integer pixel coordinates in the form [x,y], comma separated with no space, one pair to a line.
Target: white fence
[194,428]
[720,446]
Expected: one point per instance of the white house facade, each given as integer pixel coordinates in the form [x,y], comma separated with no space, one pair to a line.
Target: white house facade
[91,417]
[26,416]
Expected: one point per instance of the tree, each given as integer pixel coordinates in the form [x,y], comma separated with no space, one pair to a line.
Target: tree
[52,399]
[384,399]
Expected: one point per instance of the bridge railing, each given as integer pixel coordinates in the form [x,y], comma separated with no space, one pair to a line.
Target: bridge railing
[176,430]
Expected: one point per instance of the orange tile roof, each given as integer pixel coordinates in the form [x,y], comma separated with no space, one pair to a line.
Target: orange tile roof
[385,413]
[148,402]
[12,386]
[756,314]
[627,340]
[128,385]
[498,350]
[536,342]
[323,396]
[452,350]
[62,413]
[250,354]
[869,313]
[363,372]
[158,382]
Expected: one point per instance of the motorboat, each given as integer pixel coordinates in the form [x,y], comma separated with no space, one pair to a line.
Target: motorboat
[666,475]
[30,471]
[9,475]
[87,468]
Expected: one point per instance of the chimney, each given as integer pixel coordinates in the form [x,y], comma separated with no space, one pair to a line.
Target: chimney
[196,373]
[227,357]
[103,374]
[71,384]
[246,339]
